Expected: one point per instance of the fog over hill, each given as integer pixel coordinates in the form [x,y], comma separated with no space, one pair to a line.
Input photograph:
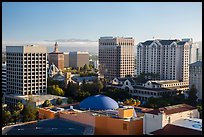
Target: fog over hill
[67,45]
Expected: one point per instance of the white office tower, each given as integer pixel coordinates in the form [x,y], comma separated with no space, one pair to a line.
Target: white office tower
[26,70]
[167,58]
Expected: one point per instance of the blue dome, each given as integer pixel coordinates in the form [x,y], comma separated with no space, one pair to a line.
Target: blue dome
[98,102]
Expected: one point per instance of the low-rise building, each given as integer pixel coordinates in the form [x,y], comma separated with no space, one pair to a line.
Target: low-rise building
[35,100]
[171,115]
[105,116]
[79,80]
[151,88]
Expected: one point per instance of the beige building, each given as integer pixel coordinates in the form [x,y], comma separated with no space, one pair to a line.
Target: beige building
[66,59]
[26,69]
[57,58]
[168,58]
[116,57]
[175,115]
[196,77]
[78,59]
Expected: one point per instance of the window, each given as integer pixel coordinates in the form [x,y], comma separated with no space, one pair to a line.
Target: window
[124,126]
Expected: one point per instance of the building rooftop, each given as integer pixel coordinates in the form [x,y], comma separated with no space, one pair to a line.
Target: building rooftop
[176,130]
[192,123]
[81,79]
[57,126]
[172,109]
[165,81]
[196,64]
[98,102]
[36,98]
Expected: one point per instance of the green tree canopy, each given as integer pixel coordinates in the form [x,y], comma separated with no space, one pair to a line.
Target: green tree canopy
[29,113]
[86,67]
[47,103]
[58,101]
[70,100]
[19,106]
[192,97]
[6,116]
[56,90]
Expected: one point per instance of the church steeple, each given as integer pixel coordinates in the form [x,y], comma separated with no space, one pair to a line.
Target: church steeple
[56,47]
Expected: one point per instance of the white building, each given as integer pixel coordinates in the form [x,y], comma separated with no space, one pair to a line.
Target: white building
[151,88]
[158,118]
[196,77]
[26,70]
[3,78]
[168,58]
[3,82]
[116,57]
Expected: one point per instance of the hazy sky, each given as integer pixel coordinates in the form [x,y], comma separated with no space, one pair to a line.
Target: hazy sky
[38,21]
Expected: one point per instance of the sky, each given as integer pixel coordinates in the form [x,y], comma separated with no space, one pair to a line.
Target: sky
[51,21]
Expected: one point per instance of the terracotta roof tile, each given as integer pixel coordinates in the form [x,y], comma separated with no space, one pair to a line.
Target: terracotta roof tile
[172,109]
[176,130]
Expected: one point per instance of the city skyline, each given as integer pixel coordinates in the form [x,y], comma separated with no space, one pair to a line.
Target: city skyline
[86,22]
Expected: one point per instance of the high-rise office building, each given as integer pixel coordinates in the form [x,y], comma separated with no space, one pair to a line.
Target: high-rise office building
[167,58]
[26,70]
[116,56]
[78,59]
[3,78]
[195,77]
[193,50]
[66,59]
[56,57]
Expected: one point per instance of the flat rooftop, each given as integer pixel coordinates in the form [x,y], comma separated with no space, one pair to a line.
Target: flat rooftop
[192,123]
[57,126]
[37,98]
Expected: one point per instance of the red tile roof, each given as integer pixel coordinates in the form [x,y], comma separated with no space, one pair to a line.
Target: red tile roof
[172,109]
[176,130]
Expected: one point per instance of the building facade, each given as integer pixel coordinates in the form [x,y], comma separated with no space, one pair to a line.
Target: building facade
[3,78]
[56,57]
[116,57]
[167,58]
[196,77]
[159,118]
[26,70]
[149,89]
[66,59]
[78,59]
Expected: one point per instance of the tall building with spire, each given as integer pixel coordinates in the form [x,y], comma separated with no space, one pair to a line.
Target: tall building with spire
[56,57]
[56,48]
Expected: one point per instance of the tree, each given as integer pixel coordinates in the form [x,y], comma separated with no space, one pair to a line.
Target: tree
[47,103]
[29,113]
[56,90]
[6,116]
[16,116]
[137,103]
[100,85]
[152,102]
[192,97]
[70,100]
[82,95]
[19,106]
[58,101]
[86,67]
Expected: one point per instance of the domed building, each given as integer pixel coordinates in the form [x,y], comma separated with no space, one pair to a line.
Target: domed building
[98,102]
